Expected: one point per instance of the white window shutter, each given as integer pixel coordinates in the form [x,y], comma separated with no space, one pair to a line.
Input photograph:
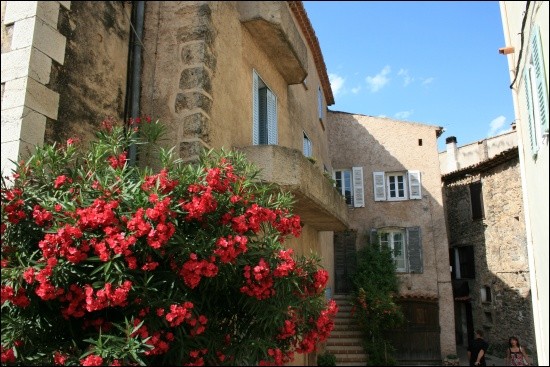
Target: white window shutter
[379,181]
[530,116]
[358,190]
[415,186]
[255,110]
[540,82]
[272,134]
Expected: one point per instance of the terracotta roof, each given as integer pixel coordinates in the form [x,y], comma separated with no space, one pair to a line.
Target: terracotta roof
[299,12]
[500,158]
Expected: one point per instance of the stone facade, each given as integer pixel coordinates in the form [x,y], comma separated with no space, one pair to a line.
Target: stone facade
[484,211]
[385,145]
[200,62]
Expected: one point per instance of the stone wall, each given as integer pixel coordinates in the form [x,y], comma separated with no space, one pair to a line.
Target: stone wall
[500,251]
[92,80]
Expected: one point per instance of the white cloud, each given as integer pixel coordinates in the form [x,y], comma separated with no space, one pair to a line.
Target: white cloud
[336,83]
[496,127]
[355,90]
[403,115]
[378,81]
[407,79]
[427,81]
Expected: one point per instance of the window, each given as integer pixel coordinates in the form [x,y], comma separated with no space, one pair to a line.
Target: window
[348,182]
[264,125]
[393,186]
[395,241]
[463,262]
[320,102]
[486,294]
[405,245]
[476,200]
[535,93]
[308,148]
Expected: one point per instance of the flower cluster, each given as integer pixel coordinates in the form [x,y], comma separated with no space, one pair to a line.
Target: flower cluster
[114,264]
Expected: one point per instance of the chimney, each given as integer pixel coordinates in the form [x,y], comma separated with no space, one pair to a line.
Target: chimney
[452,163]
[483,150]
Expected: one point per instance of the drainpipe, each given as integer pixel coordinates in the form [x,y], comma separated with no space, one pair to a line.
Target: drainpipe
[135,87]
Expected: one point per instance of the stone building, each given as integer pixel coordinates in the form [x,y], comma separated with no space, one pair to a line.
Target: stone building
[388,171]
[233,75]
[488,251]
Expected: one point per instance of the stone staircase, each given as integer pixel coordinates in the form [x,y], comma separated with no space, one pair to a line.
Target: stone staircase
[345,340]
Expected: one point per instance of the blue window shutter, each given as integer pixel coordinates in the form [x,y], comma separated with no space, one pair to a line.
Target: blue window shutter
[414,250]
[530,115]
[540,83]
[255,110]
[272,134]
[415,186]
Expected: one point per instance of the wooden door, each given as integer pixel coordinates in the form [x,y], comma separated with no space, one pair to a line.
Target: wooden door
[345,258]
[418,340]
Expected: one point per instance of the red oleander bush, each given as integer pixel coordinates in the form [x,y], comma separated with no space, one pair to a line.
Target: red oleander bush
[107,263]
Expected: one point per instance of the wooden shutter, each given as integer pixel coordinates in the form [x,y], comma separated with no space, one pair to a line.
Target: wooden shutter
[255,110]
[540,82]
[530,116]
[272,132]
[379,181]
[358,191]
[415,186]
[414,249]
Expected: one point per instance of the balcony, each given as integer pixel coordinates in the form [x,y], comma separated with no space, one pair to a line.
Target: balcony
[271,25]
[317,202]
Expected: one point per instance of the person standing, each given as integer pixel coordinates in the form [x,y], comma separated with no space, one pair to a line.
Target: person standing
[515,354]
[477,349]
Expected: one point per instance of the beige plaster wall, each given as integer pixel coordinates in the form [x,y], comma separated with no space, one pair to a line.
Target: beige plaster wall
[381,144]
[227,54]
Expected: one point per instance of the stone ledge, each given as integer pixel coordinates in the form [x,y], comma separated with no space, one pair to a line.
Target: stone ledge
[317,202]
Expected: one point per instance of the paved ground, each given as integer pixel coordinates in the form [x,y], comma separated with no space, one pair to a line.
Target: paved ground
[491,360]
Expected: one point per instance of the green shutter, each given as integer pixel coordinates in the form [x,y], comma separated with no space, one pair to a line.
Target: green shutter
[414,250]
[530,116]
[540,82]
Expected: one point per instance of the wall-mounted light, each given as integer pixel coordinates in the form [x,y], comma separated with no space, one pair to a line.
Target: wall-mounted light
[505,50]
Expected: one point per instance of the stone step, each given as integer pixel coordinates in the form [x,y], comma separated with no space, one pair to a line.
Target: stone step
[343,334]
[352,361]
[345,349]
[351,341]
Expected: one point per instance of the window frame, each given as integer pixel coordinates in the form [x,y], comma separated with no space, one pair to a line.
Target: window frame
[269,123]
[391,232]
[404,177]
[342,188]
[307,146]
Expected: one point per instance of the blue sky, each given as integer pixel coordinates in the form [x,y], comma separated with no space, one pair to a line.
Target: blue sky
[435,63]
